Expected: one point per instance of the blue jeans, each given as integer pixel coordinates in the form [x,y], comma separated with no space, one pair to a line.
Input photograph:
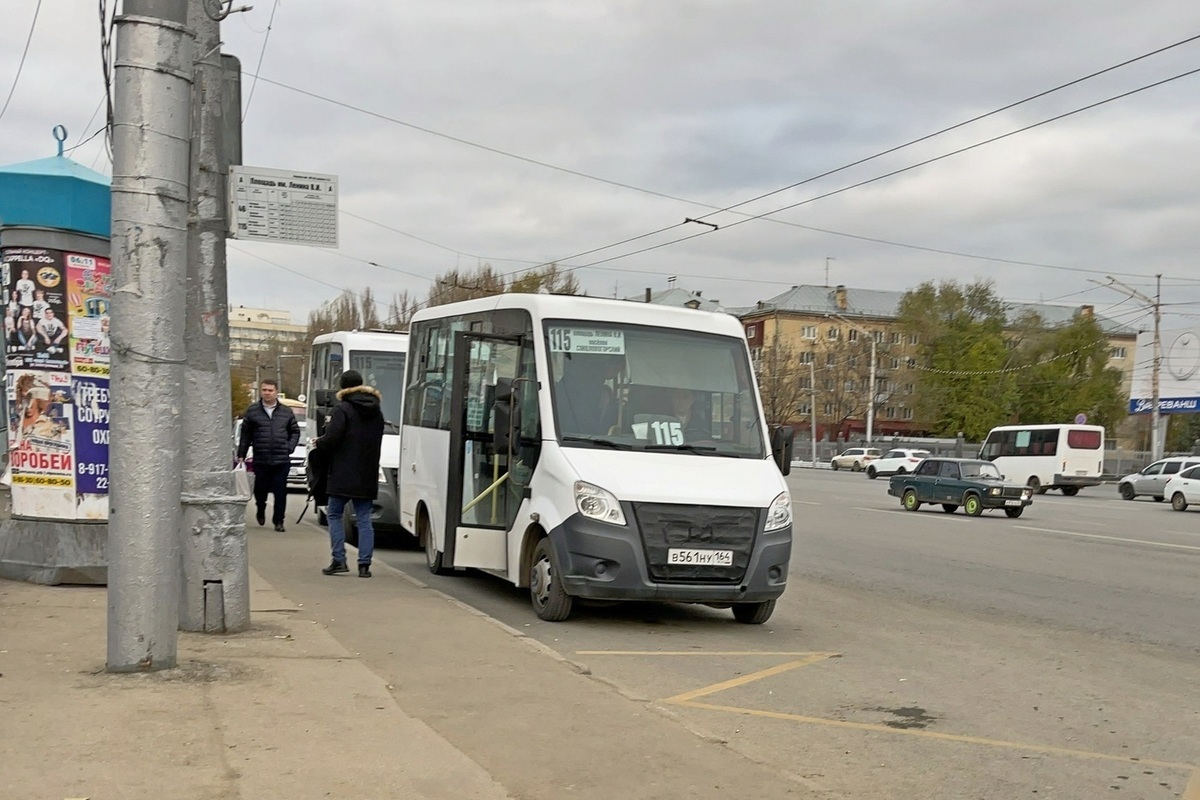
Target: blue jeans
[362,520]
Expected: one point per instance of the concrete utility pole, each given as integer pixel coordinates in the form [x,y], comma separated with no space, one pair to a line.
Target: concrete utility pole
[1156,431]
[871,394]
[151,136]
[216,581]
[870,380]
[812,408]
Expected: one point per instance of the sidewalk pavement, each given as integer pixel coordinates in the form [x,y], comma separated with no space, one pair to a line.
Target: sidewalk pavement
[347,688]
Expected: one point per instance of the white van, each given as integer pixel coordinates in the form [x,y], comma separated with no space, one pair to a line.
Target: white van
[1064,457]
[588,448]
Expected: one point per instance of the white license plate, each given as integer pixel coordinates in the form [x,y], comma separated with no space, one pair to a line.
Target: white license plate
[700,558]
[1012,502]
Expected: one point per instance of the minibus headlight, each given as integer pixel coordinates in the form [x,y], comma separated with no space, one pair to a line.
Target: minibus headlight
[382,476]
[596,503]
[779,514]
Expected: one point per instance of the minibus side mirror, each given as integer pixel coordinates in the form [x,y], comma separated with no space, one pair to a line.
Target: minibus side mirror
[323,407]
[782,438]
[506,415]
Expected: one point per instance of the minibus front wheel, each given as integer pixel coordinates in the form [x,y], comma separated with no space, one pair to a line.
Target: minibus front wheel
[550,600]
[753,613]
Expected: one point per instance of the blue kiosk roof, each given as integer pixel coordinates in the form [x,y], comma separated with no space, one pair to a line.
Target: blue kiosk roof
[56,192]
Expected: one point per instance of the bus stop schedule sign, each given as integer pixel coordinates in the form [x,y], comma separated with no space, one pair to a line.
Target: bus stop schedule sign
[269,205]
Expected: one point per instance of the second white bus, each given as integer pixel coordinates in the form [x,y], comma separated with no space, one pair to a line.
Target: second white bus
[379,356]
[596,449]
[1064,457]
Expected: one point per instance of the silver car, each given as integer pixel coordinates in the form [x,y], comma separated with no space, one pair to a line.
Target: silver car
[1152,480]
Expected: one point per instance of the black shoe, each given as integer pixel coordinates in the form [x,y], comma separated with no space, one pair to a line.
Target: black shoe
[279,527]
[261,516]
[335,567]
[364,570]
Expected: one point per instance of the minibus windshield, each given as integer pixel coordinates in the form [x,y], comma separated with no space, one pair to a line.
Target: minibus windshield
[655,389]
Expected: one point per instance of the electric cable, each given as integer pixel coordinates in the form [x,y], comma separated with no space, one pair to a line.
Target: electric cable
[261,53]
[21,63]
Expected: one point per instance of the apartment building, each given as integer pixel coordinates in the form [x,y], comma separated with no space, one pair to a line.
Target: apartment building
[820,342]
[257,331]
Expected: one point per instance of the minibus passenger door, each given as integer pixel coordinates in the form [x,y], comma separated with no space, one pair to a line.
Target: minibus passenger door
[478,496]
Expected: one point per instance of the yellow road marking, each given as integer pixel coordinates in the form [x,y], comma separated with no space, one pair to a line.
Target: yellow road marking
[1192,792]
[689,700]
[950,737]
[699,653]
[687,697]
[1110,538]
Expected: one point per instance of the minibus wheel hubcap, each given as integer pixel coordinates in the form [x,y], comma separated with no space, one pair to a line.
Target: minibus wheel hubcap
[540,580]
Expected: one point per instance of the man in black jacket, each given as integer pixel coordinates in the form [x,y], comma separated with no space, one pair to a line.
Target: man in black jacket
[271,429]
[349,450]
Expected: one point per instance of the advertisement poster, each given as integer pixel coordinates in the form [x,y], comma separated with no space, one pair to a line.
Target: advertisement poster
[41,444]
[56,312]
[90,397]
[35,319]
[88,293]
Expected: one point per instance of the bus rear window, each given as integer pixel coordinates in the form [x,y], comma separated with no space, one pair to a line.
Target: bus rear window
[1083,440]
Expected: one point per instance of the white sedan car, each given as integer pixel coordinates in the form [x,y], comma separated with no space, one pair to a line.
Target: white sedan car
[1183,489]
[896,462]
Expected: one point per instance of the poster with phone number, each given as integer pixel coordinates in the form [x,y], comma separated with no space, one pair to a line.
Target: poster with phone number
[88,292]
[91,446]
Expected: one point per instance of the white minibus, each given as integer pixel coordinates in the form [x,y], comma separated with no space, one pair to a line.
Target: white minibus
[594,449]
[1065,457]
[380,357]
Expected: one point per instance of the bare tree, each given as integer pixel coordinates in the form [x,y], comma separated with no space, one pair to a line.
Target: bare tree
[400,311]
[551,279]
[453,286]
[782,381]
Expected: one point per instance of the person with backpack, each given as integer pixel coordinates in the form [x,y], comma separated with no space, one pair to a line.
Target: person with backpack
[347,453]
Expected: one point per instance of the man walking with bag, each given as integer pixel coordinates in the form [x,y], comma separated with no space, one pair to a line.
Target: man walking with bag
[348,451]
[271,429]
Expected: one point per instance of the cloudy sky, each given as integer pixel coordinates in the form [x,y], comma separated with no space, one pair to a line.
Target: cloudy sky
[584,132]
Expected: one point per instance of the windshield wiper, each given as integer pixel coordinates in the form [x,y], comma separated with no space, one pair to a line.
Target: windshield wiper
[686,448]
[598,442]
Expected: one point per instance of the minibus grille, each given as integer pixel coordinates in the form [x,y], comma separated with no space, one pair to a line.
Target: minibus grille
[666,526]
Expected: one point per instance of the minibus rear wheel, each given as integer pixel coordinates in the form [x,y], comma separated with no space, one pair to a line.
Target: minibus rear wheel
[753,613]
[550,601]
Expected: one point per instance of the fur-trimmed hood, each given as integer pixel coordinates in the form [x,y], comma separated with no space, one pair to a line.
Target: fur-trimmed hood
[344,394]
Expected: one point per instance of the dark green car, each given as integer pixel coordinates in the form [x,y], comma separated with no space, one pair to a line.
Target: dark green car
[975,485]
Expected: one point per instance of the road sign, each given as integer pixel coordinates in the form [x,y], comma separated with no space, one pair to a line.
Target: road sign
[1081,419]
[270,205]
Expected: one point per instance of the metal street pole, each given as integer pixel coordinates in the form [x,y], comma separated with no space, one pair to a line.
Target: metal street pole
[1156,432]
[1156,446]
[812,409]
[216,574]
[151,133]
[871,397]
[871,379]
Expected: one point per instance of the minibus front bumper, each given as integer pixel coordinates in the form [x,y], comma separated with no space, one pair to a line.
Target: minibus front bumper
[600,561]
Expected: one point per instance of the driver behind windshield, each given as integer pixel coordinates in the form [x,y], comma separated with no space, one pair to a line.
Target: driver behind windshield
[684,408]
[586,400]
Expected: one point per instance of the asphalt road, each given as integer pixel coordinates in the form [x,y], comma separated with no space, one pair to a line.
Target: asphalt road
[929,655]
